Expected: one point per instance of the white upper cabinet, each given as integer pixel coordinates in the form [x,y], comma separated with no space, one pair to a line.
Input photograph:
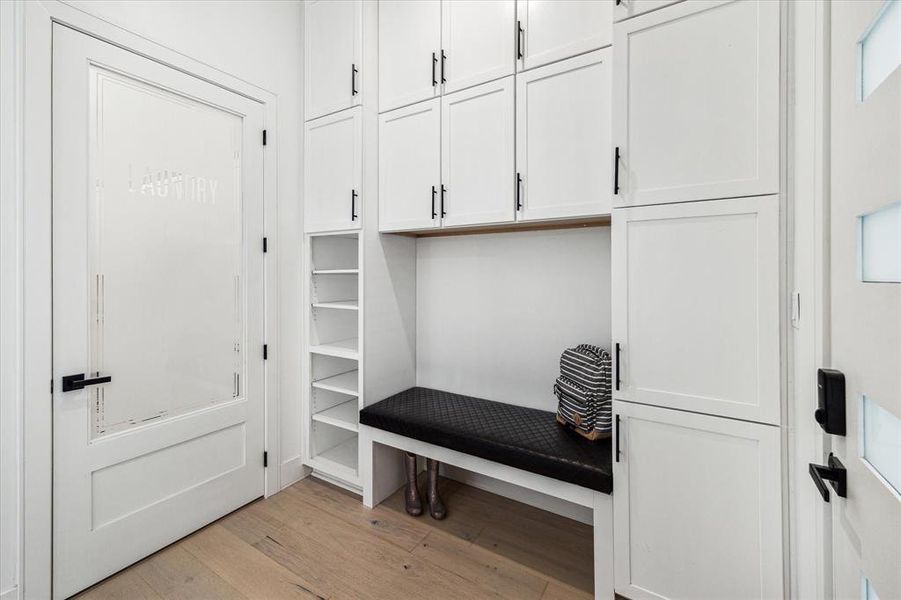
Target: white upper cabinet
[563,150]
[550,30]
[696,306]
[477,127]
[696,106]
[625,9]
[697,506]
[333,171]
[409,52]
[332,56]
[410,167]
[478,38]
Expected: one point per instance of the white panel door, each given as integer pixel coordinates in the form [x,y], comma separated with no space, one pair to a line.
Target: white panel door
[863,268]
[696,102]
[157,306]
[696,306]
[625,9]
[409,52]
[551,30]
[697,506]
[563,151]
[333,171]
[410,167]
[477,154]
[478,39]
[333,55]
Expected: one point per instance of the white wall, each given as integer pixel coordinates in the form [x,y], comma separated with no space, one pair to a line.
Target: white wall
[494,311]
[259,42]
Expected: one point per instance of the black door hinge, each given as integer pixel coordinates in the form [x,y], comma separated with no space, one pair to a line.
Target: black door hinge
[264,137]
[265,244]
[265,459]
[265,351]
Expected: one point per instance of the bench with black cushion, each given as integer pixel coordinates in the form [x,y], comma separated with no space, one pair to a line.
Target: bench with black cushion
[525,438]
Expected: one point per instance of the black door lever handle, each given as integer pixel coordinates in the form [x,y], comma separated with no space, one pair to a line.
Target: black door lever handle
[72,383]
[836,474]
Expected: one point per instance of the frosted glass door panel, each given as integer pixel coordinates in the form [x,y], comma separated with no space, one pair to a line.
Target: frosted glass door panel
[165,226]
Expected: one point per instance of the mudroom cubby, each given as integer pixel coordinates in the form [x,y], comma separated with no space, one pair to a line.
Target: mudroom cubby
[333,355]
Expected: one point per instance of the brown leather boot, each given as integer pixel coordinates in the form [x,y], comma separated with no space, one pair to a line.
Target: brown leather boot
[436,506]
[412,501]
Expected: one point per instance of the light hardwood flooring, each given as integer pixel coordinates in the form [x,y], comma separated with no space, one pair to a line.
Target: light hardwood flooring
[314,540]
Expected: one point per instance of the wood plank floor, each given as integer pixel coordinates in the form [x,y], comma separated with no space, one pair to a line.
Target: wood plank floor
[314,540]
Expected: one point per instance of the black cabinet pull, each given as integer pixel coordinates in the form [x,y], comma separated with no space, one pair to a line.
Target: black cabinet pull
[616,171]
[353,205]
[443,60]
[519,32]
[518,192]
[443,192]
[73,383]
[836,474]
[617,439]
[434,66]
[617,366]
[353,80]
[434,214]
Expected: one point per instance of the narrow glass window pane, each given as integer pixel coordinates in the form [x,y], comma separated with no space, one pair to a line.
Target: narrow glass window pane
[880,48]
[882,442]
[880,245]
[867,591]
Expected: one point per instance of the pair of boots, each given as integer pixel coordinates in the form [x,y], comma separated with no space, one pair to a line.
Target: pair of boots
[411,494]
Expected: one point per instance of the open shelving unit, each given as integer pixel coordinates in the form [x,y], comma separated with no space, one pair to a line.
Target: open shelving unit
[333,358]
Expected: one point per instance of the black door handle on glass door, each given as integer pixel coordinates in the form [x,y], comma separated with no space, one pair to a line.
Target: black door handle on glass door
[353,205]
[73,383]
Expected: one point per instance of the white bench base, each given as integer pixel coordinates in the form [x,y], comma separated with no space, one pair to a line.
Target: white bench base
[381,472]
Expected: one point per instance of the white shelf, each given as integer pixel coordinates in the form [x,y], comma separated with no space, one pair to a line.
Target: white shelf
[340,461]
[345,415]
[336,271]
[339,304]
[345,383]
[341,349]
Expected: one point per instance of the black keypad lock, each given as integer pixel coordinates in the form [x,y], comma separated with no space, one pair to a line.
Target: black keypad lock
[830,412]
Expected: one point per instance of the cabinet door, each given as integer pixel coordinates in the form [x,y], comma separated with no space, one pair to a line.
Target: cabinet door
[332,56]
[409,52]
[626,9]
[696,306]
[410,167]
[697,506]
[477,154]
[696,107]
[563,150]
[552,30]
[333,171]
[478,42]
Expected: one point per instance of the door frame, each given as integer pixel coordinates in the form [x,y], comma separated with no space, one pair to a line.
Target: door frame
[33,81]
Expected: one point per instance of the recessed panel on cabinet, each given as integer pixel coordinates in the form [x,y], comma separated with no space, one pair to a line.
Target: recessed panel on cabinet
[477,41]
[696,105]
[332,56]
[697,506]
[409,52]
[410,167]
[563,151]
[333,171]
[696,306]
[477,127]
[551,30]
[626,9]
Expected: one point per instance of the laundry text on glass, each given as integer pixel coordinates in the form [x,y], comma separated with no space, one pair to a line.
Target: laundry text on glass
[182,185]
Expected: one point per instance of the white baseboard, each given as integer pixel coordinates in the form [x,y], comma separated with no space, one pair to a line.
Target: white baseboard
[557,506]
[292,471]
[338,482]
[10,594]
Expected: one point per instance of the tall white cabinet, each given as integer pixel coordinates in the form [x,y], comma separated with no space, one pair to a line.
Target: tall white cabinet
[697,310]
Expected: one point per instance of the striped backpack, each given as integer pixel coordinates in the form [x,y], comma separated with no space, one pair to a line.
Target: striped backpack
[583,391]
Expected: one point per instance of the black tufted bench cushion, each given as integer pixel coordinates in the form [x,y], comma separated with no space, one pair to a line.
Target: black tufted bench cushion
[524,438]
